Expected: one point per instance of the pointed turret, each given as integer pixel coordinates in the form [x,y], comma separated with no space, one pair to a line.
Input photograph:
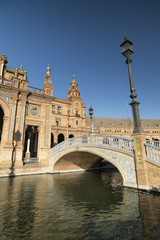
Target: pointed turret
[48,87]
[73,91]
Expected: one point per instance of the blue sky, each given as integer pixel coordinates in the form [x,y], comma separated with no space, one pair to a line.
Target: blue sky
[84,36]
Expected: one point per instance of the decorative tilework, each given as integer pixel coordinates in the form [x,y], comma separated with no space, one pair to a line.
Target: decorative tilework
[21,122]
[36,99]
[11,122]
[6,98]
[46,140]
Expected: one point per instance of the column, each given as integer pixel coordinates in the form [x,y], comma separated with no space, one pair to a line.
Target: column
[28,154]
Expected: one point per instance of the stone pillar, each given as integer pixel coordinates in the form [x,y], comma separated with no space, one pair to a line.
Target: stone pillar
[28,154]
[140,165]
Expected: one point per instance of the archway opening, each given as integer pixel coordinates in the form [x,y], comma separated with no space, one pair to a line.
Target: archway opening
[52,140]
[31,142]
[1,123]
[71,136]
[78,161]
[60,138]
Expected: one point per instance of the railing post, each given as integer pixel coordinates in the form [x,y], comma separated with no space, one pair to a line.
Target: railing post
[140,165]
[67,142]
[92,136]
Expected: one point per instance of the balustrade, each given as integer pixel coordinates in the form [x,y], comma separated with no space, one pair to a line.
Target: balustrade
[152,152]
[36,90]
[120,143]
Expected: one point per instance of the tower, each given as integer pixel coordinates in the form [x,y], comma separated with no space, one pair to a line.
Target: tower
[76,110]
[73,92]
[48,87]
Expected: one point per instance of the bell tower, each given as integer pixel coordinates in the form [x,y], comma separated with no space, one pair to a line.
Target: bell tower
[48,87]
[73,92]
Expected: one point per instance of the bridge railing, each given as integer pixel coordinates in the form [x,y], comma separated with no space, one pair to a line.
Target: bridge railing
[124,144]
[152,153]
[153,142]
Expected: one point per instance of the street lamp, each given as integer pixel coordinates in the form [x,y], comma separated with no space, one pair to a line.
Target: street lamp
[126,52]
[91,118]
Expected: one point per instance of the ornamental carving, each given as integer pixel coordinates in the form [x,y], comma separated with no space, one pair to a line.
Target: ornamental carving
[34,110]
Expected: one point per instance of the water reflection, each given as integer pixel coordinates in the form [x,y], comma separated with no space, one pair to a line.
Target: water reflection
[90,205]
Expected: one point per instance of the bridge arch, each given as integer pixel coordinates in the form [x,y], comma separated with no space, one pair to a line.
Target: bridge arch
[117,153]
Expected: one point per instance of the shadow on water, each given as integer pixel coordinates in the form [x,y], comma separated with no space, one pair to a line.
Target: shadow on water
[18,212]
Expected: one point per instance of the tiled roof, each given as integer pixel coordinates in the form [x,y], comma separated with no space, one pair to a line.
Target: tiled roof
[125,122]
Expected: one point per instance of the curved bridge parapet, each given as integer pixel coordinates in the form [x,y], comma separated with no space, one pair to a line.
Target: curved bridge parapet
[113,142]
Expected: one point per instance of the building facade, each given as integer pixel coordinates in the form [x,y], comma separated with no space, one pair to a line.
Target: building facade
[32,120]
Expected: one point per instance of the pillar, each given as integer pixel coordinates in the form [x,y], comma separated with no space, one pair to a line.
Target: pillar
[28,154]
[140,165]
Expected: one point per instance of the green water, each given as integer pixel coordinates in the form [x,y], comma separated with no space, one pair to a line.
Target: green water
[90,205]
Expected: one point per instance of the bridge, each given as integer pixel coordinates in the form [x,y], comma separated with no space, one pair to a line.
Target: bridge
[118,151]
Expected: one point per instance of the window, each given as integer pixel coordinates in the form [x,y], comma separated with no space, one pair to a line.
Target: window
[59,110]
[48,91]
[76,122]
[15,83]
[53,109]
[24,85]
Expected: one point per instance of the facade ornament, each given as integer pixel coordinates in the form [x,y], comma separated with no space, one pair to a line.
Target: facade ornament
[21,68]
[48,70]
[25,75]
[16,72]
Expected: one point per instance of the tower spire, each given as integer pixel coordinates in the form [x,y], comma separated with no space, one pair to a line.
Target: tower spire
[73,91]
[73,78]
[48,70]
[48,87]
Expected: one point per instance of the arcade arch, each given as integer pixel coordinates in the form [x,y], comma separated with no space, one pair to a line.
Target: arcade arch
[52,140]
[60,138]
[71,136]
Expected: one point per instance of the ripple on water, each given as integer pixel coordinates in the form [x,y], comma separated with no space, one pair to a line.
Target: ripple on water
[75,206]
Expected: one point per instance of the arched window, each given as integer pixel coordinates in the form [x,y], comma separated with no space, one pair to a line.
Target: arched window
[53,109]
[59,110]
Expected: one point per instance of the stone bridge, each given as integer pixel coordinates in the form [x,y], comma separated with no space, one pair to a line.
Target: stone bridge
[117,150]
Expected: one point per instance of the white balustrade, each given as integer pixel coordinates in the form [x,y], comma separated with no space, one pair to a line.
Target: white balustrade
[124,144]
[152,152]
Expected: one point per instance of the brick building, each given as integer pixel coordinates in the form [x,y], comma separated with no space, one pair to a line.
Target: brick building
[32,120]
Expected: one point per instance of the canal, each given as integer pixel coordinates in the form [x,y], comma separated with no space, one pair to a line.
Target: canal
[87,206]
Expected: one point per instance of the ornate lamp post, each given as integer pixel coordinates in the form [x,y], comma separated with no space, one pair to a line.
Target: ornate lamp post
[91,118]
[127,51]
